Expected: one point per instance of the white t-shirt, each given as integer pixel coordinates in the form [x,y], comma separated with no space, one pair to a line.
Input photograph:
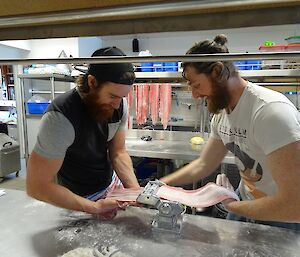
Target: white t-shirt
[262,122]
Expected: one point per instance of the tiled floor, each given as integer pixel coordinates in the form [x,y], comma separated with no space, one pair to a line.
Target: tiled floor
[12,182]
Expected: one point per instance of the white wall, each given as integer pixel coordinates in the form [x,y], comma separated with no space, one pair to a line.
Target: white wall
[88,45]
[8,52]
[177,43]
[51,48]
[21,44]
[171,43]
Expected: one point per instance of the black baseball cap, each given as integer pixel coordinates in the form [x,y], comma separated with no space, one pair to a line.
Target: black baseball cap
[113,72]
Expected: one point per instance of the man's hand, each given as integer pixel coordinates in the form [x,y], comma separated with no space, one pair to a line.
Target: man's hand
[223,181]
[109,210]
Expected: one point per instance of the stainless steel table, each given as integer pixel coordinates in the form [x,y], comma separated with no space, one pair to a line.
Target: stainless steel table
[29,228]
[173,145]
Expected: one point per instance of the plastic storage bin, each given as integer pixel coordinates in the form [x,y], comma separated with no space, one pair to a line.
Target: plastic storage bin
[37,108]
[253,65]
[158,66]
[273,64]
[293,40]
[170,66]
[293,47]
[147,67]
[293,64]
[241,65]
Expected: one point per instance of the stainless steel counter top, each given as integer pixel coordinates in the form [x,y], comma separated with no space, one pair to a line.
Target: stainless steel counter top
[166,145]
[30,228]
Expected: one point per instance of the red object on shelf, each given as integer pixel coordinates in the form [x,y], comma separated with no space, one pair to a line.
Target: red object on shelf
[293,47]
[274,48]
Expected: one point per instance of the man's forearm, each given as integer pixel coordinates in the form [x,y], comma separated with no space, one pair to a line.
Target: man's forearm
[190,173]
[61,197]
[269,208]
[122,164]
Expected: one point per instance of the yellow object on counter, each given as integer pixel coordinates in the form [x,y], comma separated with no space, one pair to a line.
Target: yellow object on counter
[197,140]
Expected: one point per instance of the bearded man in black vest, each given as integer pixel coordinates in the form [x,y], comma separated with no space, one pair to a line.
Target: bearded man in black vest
[80,151]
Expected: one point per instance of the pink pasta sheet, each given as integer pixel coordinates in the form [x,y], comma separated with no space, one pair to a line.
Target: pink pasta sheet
[206,196]
[165,104]
[154,102]
[125,194]
[129,104]
[141,103]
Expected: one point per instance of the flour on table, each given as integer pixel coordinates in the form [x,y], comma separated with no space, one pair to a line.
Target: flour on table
[100,251]
[80,252]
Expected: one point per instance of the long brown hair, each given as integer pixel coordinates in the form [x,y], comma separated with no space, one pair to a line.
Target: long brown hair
[218,45]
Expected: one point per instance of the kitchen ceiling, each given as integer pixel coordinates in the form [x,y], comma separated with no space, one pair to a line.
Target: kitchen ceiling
[52,19]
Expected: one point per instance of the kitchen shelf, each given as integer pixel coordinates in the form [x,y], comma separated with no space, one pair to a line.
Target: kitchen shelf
[243,73]
[57,77]
[31,84]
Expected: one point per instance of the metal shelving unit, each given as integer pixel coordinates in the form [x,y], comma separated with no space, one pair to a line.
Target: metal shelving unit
[244,73]
[52,78]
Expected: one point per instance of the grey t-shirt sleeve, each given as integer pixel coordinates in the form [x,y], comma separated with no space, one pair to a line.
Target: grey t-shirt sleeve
[56,134]
[125,115]
[120,125]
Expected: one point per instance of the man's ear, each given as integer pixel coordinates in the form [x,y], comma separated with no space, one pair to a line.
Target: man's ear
[219,71]
[92,81]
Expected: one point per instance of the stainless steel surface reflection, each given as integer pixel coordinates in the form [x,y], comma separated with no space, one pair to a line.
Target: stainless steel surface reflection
[166,145]
[30,228]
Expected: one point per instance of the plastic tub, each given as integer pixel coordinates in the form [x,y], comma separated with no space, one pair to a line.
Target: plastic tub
[293,40]
[241,65]
[273,64]
[158,66]
[147,67]
[37,108]
[170,66]
[253,65]
[293,64]
[293,47]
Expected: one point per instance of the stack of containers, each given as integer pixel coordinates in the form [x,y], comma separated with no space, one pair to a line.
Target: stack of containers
[293,45]
[170,66]
[248,65]
[272,64]
[157,66]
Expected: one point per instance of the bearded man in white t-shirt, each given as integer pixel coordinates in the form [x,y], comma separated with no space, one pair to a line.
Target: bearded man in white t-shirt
[260,127]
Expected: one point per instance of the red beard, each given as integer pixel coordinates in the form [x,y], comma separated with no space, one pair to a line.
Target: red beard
[98,112]
[219,99]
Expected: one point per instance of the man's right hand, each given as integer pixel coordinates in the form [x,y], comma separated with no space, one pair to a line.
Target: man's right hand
[104,209]
[106,205]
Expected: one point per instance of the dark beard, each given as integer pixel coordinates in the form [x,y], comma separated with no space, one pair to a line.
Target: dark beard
[98,112]
[219,99]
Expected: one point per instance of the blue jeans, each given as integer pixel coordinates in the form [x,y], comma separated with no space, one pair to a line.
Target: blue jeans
[292,226]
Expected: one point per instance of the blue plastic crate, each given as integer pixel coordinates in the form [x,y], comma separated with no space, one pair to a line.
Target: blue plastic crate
[253,65]
[241,65]
[37,108]
[147,67]
[158,66]
[170,66]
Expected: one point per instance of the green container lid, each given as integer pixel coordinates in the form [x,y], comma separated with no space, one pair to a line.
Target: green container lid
[293,37]
[293,40]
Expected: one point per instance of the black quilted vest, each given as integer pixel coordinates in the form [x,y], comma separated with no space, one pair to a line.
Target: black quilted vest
[86,168]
